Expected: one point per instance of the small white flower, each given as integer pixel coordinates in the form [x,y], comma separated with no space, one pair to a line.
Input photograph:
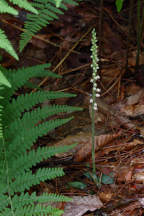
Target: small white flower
[97,77]
[98,90]
[97,95]
[91,100]
[95,107]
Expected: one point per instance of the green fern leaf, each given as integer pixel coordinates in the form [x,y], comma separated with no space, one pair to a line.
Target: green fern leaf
[27,160]
[6,45]
[19,77]
[58,2]
[32,210]
[71,2]
[26,138]
[47,12]
[24,4]
[27,180]
[38,210]
[4,200]
[27,101]
[27,199]
[3,80]
[19,129]
[32,118]
[5,8]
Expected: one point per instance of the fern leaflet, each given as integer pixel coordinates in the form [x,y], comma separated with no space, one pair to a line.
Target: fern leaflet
[47,12]
[5,44]
[5,8]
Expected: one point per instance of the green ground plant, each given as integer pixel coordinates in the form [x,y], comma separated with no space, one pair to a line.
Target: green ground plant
[20,128]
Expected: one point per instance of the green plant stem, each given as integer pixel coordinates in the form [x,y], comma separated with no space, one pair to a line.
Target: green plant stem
[93,135]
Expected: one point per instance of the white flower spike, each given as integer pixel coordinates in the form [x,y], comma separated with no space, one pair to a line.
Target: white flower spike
[94,56]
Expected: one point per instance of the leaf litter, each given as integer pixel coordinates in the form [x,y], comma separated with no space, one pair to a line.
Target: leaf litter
[119,139]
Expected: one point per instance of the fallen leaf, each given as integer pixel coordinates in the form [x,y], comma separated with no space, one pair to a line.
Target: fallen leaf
[121,146]
[134,99]
[134,105]
[81,139]
[81,205]
[124,174]
[106,196]
[127,210]
[139,177]
[100,141]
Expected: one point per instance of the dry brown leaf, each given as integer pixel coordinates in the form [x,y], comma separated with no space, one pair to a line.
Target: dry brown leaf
[135,98]
[141,129]
[122,146]
[124,174]
[139,110]
[131,60]
[132,89]
[137,160]
[80,205]
[133,110]
[128,210]
[134,105]
[81,139]
[100,141]
[106,196]
[104,139]
[123,120]
[139,177]
[139,172]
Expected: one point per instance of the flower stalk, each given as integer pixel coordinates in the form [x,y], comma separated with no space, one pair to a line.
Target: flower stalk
[95,90]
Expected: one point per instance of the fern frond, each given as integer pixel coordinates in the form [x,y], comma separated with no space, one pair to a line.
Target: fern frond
[47,12]
[27,101]
[32,210]
[29,119]
[6,45]
[58,2]
[38,210]
[24,4]
[19,202]
[27,160]
[20,127]
[19,77]
[27,199]
[4,200]
[27,180]
[26,138]
[5,8]
[4,81]
[1,124]
[71,2]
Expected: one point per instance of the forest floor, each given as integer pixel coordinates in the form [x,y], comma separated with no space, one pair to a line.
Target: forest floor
[117,188]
